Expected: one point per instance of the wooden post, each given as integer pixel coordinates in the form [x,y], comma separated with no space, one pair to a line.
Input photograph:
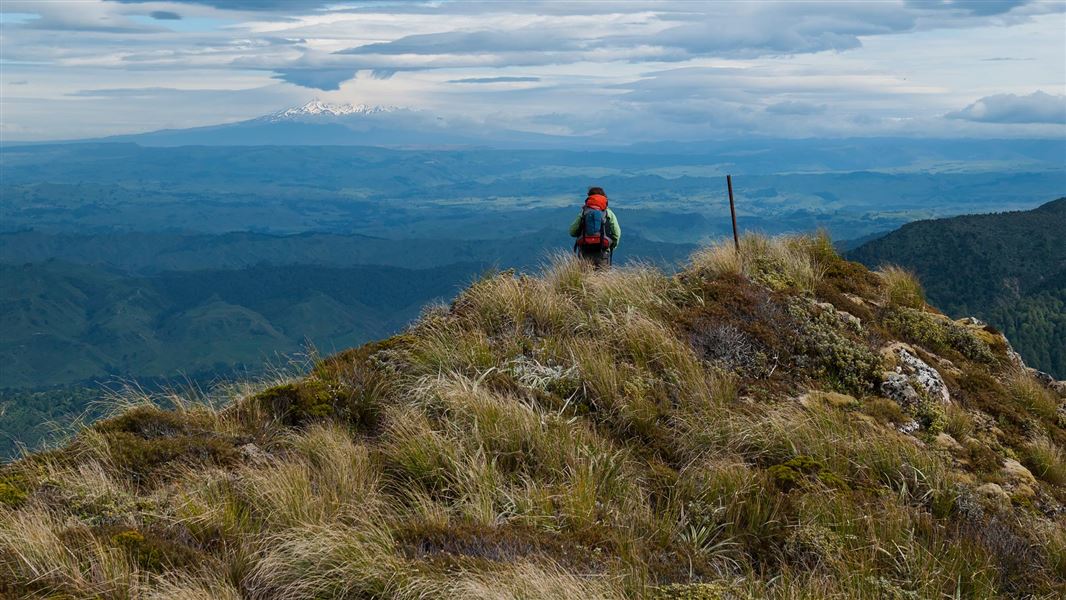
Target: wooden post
[733,212]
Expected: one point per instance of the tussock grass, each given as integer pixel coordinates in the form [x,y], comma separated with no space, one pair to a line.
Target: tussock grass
[199,586]
[37,547]
[567,435]
[1047,461]
[1032,396]
[336,561]
[524,581]
[781,263]
[901,287]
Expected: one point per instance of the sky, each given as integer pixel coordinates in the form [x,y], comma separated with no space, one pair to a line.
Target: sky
[637,70]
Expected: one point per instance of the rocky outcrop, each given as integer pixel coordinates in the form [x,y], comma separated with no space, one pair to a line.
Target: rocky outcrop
[912,379]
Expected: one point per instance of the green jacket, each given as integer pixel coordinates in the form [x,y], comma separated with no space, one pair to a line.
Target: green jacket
[614,230]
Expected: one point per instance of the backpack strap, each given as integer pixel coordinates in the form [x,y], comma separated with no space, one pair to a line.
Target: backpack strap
[581,231]
[603,228]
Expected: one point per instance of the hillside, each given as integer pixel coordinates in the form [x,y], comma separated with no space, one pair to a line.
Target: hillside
[1006,268]
[66,323]
[789,425]
[81,310]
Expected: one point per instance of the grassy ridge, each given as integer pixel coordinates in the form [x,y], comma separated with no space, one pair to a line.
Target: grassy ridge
[723,432]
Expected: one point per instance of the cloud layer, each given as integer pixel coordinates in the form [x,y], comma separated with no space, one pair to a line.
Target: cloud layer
[632,69]
[1038,107]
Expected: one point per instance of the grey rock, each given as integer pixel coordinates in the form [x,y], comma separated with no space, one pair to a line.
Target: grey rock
[913,374]
[1044,378]
[926,376]
[253,454]
[910,427]
[897,386]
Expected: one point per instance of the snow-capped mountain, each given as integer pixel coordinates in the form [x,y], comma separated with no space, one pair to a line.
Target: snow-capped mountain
[323,123]
[318,108]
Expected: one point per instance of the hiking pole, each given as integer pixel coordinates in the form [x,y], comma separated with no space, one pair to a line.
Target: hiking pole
[733,212]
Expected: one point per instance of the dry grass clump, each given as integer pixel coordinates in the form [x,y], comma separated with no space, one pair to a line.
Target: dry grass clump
[1032,396]
[796,262]
[901,287]
[1046,460]
[524,581]
[193,586]
[580,434]
[37,548]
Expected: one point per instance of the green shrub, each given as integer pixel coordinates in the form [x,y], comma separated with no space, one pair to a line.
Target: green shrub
[142,459]
[153,551]
[149,422]
[936,334]
[930,414]
[11,496]
[144,439]
[795,471]
[833,353]
[691,591]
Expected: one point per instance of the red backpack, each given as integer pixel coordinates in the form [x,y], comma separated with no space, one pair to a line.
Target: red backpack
[594,223]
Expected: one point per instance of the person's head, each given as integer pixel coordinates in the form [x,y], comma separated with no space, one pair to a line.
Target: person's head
[596,198]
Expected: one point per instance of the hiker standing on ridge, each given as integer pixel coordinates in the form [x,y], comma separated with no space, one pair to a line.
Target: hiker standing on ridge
[596,229]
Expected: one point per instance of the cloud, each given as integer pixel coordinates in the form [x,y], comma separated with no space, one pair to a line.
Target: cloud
[147,92]
[252,5]
[494,80]
[792,107]
[977,7]
[1038,107]
[326,79]
[164,15]
[530,39]
[650,68]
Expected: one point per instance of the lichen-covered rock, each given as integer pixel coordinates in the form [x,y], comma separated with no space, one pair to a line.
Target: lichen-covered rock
[253,454]
[926,376]
[913,379]
[909,427]
[897,386]
[1048,380]
[947,442]
[1016,474]
[993,492]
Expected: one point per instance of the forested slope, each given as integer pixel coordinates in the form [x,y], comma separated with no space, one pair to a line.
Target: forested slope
[1006,268]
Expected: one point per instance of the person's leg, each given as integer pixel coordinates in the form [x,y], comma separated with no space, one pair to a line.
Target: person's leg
[597,257]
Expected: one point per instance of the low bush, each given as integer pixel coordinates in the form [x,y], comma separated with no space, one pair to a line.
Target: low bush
[833,353]
[936,334]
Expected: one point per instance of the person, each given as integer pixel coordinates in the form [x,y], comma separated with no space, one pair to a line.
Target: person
[596,229]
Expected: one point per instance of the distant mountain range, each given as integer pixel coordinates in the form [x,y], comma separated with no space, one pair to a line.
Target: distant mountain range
[1006,268]
[322,123]
[319,123]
